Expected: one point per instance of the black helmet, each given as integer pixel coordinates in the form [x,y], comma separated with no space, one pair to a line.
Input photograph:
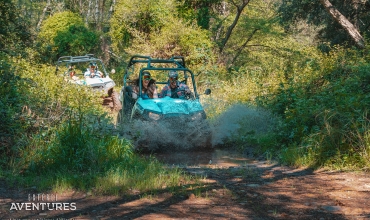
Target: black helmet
[93,65]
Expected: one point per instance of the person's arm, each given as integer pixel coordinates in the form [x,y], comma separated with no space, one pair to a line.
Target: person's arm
[153,90]
[155,93]
[100,74]
[164,91]
[87,73]
[135,92]
[185,88]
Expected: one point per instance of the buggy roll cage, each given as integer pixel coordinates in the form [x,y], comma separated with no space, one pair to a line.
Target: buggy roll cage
[179,61]
[80,59]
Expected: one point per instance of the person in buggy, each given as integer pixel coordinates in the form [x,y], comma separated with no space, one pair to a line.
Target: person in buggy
[93,71]
[148,91]
[174,88]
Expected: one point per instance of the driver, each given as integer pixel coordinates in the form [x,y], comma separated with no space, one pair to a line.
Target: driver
[93,71]
[174,88]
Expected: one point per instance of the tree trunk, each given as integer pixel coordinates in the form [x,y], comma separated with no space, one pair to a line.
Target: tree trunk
[345,23]
[88,12]
[47,8]
[111,9]
[97,15]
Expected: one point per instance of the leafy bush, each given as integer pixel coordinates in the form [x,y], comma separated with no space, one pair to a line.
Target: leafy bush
[324,116]
[78,145]
[69,141]
[153,28]
[65,34]
[10,106]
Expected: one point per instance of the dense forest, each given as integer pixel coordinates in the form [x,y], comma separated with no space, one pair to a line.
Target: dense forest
[301,67]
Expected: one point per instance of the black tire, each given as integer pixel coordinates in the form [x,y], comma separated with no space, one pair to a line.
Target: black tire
[119,118]
[117,106]
[110,92]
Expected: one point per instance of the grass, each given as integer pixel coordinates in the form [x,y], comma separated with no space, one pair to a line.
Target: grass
[78,157]
[69,143]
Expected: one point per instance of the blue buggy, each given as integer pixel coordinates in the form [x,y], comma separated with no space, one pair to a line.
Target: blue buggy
[164,121]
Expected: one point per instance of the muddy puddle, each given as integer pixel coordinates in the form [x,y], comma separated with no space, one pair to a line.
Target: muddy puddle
[215,157]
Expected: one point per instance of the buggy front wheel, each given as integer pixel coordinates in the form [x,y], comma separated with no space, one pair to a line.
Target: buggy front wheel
[116,102]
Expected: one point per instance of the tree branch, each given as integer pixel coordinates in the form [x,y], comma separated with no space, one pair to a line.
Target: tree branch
[47,8]
[240,49]
[232,26]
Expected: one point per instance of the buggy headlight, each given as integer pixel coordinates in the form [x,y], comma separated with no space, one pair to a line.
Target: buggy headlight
[197,116]
[154,116]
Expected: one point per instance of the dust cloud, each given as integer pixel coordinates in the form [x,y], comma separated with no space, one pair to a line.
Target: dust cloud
[154,136]
[176,135]
[237,117]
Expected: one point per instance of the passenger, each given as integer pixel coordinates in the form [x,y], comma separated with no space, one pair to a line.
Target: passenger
[152,89]
[72,72]
[149,90]
[174,88]
[93,71]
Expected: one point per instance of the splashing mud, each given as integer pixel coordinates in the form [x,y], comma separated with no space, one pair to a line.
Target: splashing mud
[169,135]
[240,117]
[174,135]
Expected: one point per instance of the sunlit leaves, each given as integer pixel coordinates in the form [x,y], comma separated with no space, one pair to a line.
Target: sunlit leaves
[65,34]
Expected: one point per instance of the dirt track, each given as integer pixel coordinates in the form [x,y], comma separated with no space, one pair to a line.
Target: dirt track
[233,188]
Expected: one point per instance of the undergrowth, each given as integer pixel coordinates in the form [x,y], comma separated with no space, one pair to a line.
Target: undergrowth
[61,138]
[319,104]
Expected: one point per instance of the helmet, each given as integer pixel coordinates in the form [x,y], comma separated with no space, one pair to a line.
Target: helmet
[146,75]
[173,74]
[93,64]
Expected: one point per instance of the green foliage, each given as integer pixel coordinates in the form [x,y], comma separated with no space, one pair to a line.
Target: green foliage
[137,20]
[162,35]
[314,13]
[323,114]
[65,34]
[14,31]
[320,102]
[77,145]
[200,11]
[68,140]
[10,106]
[75,41]
[59,22]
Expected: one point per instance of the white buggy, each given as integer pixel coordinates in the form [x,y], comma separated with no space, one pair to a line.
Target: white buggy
[78,72]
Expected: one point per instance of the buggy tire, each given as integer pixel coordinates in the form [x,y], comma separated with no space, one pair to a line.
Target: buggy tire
[119,120]
[116,102]
[110,92]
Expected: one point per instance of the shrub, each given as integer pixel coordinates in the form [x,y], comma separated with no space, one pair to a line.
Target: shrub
[65,34]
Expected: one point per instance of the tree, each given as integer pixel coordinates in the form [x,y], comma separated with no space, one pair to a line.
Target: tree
[345,23]
[154,28]
[313,12]
[200,11]
[63,34]
[14,32]
[239,10]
